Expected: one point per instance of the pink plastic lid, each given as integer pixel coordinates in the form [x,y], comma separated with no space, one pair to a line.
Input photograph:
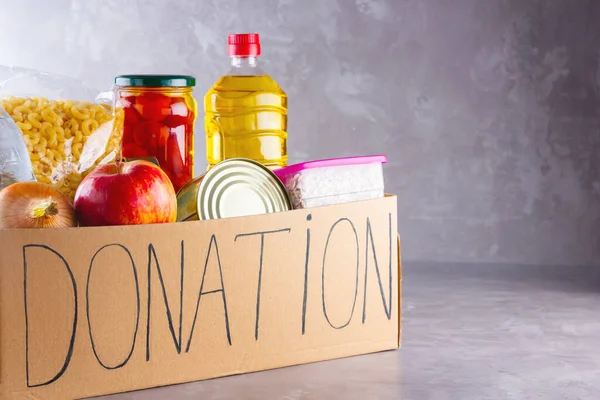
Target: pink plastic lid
[330,162]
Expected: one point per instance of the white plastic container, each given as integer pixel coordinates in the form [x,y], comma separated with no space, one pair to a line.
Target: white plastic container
[333,181]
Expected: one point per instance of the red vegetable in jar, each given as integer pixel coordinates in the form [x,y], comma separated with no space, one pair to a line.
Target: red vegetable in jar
[150,134]
[152,106]
[159,121]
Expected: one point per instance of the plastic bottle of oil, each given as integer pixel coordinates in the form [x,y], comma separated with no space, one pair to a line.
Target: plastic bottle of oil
[245,110]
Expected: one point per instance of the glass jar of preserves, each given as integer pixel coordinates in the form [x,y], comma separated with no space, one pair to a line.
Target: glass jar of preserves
[160,112]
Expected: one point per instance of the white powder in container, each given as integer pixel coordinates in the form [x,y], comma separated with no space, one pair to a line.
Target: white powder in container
[334,181]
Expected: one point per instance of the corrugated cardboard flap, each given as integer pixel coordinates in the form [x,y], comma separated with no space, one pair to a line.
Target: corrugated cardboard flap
[399,293]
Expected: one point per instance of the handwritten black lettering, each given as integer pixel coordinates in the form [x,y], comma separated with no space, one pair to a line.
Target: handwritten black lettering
[260,266]
[176,339]
[387,307]
[87,298]
[75,315]
[213,240]
[323,274]
[305,293]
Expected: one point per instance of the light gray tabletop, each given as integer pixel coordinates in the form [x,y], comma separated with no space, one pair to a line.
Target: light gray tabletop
[470,332]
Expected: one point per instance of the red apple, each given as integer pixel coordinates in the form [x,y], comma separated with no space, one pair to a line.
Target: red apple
[136,192]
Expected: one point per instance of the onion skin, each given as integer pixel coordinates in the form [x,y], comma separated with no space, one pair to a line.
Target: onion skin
[35,205]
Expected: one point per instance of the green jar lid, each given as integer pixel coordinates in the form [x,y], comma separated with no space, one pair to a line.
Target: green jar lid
[155,80]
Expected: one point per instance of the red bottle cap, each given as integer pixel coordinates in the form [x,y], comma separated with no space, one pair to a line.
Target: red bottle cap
[244,45]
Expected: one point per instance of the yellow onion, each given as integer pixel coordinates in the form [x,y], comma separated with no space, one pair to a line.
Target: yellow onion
[35,205]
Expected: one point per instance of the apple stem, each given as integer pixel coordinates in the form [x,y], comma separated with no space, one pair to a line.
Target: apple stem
[119,165]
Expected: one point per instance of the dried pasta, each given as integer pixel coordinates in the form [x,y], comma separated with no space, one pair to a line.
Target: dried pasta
[65,138]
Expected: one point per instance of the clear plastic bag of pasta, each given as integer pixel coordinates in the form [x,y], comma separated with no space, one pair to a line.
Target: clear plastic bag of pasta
[67,127]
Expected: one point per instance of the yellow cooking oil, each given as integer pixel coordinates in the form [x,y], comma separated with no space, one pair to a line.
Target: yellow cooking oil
[246,116]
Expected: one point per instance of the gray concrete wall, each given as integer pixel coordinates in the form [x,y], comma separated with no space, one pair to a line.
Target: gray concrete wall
[489,110]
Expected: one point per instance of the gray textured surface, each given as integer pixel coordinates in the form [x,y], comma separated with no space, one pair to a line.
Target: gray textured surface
[488,110]
[469,332]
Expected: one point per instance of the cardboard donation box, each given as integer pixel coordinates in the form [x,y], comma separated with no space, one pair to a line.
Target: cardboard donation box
[91,311]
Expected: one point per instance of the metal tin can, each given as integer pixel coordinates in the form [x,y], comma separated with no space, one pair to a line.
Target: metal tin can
[232,188]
